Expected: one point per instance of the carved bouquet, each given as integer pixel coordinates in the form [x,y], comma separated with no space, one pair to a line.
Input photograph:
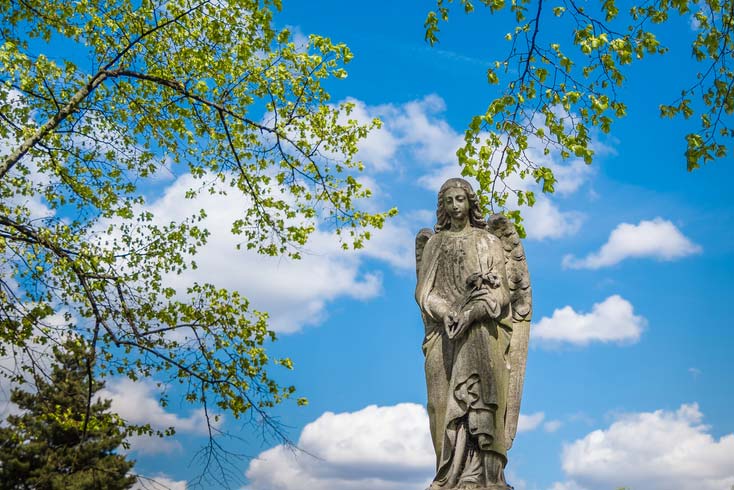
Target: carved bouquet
[476,304]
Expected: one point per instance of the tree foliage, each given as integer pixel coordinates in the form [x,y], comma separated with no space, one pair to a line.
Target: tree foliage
[63,438]
[98,97]
[555,89]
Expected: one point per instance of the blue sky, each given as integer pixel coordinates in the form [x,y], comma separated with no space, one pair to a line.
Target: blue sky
[629,372]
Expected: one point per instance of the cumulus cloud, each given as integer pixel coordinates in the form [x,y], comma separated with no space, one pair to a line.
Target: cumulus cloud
[376,448]
[378,149]
[530,422]
[417,131]
[395,242]
[295,292]
[158,482]
[612,320]
[658,450]
[566,485]
[570,176]
[552,425]
[657,239]
[433,140]
[33,203]
[137,403]
[546,220]
[35,353]
[433,179]
[413,129]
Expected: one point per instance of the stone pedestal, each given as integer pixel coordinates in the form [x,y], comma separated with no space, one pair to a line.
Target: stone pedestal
[498,486]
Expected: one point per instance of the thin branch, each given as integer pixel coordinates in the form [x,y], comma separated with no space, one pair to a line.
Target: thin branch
[81,94]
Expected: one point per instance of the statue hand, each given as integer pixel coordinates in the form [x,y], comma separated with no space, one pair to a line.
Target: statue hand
[448,322]
[474,281]
[494,308]
[493,280]
[461,323]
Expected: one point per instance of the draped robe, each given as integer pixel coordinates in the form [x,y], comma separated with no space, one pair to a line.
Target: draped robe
[467,376]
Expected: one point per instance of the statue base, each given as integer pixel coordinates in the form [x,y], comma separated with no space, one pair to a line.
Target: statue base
[497,486]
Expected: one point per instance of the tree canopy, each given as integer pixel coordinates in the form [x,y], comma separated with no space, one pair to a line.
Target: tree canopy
[63,438]
[556,89]
[100,96]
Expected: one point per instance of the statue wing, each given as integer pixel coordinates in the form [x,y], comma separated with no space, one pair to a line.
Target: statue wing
[518,280]
[420,243]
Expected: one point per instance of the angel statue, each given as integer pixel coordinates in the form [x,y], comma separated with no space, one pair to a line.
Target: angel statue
[474,294]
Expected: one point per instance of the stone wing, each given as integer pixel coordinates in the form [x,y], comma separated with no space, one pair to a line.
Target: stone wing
[518,280]
[420,242]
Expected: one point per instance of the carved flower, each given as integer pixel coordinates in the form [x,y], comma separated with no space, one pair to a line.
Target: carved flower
[474,281]
[492,279]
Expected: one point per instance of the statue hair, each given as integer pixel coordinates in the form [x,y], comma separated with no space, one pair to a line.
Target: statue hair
[443,220]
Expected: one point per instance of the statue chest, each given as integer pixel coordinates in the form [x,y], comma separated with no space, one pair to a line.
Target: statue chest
[458,258]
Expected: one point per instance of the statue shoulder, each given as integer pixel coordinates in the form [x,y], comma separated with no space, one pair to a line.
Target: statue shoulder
[425,243]
[432,243]
[485,234]
[434,239]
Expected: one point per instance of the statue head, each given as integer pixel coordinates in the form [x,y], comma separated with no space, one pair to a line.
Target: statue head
[443,217]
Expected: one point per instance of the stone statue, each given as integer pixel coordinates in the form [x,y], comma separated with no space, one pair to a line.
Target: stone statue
[474,294]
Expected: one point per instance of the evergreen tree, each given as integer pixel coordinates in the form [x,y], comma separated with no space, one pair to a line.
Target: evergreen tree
[61,440]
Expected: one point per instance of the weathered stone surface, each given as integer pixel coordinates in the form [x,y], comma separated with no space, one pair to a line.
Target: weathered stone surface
[475,299]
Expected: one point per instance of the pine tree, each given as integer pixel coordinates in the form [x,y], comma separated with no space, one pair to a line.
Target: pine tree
[60,440]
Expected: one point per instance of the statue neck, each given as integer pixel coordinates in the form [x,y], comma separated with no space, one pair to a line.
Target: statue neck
[459,225]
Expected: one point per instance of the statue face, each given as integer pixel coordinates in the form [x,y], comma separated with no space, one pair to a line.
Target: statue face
[456,204]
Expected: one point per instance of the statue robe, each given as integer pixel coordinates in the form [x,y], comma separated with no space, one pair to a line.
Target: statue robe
[467,377]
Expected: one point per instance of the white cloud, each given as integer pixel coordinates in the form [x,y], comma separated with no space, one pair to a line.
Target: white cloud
[659,450]
[414,128]
[299,39]
[294,292]
[137,403]
[570,176]
[434,179]
[378,149]
[417,131]
[530,422]
[33,203]
[150,445]
[612,320]
[376,448]
[433,140]
[527,423]
[566,485]
[657,239]
[37,352]
[395,242]
[546,220]
[158,482]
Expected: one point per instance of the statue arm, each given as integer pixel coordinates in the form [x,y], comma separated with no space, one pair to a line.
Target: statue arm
[497,267]
[431,304]
[436,308]
[490,298]
[496,298]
